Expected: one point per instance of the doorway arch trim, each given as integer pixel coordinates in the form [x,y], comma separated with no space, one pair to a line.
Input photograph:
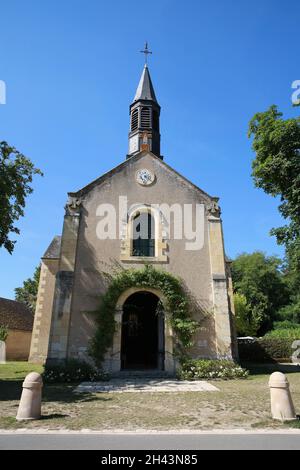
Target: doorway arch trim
[115,353]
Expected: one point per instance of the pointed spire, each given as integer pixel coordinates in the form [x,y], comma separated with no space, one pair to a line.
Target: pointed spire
[144,116]
[145,90]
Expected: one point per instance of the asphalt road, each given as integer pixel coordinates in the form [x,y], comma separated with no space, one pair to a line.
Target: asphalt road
[155,441]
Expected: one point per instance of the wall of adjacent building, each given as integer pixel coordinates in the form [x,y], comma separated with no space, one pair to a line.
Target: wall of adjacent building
[18,345]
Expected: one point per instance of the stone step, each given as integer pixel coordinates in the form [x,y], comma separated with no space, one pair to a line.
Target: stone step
[142,374]
[141,384]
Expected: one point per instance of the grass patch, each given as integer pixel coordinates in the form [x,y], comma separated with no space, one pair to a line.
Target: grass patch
[293,424]
[18,370]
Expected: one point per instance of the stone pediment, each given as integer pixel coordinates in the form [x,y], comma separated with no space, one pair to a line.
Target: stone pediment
[137,158]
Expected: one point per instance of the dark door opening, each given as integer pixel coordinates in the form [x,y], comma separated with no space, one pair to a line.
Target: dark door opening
[142,344]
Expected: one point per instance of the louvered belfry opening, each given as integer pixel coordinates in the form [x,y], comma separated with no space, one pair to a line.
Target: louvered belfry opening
[145,118]
[134,119]
[155,120]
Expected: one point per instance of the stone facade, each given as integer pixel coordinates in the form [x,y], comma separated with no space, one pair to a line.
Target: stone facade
[43,313]
[75,266]
[83,261]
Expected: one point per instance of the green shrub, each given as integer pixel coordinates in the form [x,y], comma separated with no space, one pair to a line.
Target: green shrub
[3,333]
[73,371]
[266,349]
[285,325]
[290,312]
[246,324]
[194,369]
[291,333]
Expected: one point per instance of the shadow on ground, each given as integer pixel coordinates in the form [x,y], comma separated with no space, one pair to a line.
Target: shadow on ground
[53,416]
[265,369]
[12,390]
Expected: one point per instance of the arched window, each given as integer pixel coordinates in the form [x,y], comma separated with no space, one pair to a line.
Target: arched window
[143,234]
[146,118]
[134,119]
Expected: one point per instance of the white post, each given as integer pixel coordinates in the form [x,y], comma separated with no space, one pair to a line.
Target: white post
[2,352]
[30,403]
[282,407]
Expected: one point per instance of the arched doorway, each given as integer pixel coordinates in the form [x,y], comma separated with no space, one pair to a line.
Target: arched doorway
[142,343]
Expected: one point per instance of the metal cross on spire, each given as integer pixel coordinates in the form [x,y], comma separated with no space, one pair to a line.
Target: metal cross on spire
[146,51]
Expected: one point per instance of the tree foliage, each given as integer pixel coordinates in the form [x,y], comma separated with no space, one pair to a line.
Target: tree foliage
[259,281]
[27,294]
[291,312]
[246,324]
[16,174]
[276,169]
[3,332]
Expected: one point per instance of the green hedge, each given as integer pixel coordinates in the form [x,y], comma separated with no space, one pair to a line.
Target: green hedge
[285,333]
[266,349]
[194,369]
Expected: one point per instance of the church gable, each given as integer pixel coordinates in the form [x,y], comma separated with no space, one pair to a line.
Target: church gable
[135,163]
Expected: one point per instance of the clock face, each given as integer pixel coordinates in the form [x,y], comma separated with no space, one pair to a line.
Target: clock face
[144,177]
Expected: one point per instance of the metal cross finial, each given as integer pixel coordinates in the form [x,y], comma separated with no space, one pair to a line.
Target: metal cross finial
[146,51]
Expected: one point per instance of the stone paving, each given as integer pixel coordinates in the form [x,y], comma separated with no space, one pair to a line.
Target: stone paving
[146,385]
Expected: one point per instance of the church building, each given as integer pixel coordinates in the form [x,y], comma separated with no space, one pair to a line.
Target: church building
[142,212]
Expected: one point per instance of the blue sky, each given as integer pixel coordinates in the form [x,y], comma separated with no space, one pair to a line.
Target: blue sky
[71,68]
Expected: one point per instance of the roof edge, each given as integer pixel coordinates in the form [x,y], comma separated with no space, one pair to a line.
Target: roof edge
[88,187]
[53,250]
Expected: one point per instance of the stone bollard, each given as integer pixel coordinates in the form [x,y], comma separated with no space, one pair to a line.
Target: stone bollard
[282,407]
[30,403]
[2,352]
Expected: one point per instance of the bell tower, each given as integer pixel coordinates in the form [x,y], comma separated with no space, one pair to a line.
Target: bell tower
[144,116]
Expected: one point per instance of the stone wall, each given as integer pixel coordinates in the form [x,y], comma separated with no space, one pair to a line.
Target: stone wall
[43,312]
[94,257]
[85,260]
[18,345]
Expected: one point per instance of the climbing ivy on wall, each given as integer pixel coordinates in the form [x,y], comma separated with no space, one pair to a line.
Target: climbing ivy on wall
[177,308]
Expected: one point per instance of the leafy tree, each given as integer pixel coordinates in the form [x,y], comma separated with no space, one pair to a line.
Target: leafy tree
[28,293]
[291,312]
[276,169]
[246,324]
[3,333]
[16,174]
[259,279]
